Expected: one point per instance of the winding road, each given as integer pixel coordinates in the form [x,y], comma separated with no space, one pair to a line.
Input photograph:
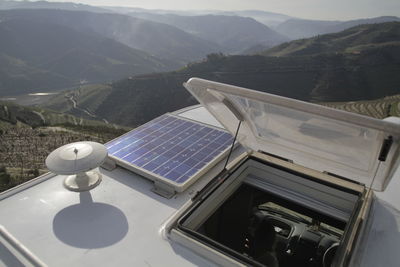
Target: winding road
[71,97]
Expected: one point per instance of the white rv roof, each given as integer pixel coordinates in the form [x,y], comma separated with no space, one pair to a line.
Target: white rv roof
[314,136]
[118,223]
[124,221]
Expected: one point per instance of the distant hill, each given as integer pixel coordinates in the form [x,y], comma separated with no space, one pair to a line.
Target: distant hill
[353,40]
[127,10]
[37,55]
[80,102]
[232,33]
[5,5]
[270,19]
[256,49]
[267,18]
[378,108]
[130,102]
[360,74]
[352,23]
[13,115]
[166,42]
[302,28]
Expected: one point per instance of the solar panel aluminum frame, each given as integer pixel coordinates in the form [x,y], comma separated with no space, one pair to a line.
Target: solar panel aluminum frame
[164,186]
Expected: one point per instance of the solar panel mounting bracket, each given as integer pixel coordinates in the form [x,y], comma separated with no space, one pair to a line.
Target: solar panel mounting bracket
[109,164]
[163,189]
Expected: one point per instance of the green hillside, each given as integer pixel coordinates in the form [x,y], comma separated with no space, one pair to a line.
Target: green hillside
[37,55]
[173,46]
[33,117]
[353,40]
[89,96]
[379,108]
[303,28]
[232,33]
[323,77]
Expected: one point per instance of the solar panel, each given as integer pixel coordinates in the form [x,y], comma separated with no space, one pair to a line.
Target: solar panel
[170,149]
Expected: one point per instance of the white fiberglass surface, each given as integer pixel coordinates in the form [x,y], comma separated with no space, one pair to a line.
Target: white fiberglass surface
[310,135]
[117,223]
[300,136]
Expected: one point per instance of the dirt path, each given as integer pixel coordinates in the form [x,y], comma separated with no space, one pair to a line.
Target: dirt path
[41,116]
[75,106]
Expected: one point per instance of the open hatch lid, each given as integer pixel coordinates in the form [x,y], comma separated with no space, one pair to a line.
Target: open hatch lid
[356,147]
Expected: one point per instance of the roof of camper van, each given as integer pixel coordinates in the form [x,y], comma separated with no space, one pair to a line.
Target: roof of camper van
[121,221]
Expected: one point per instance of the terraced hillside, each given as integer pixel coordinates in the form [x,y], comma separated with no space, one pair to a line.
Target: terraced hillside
[326,70]
[380,108]
[28,135]
[351,41]
[303,28]
[81,102]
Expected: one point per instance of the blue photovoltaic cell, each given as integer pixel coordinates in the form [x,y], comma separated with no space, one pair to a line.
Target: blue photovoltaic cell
[170,147]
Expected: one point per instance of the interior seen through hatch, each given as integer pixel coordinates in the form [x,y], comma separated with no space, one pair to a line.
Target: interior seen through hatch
[273,231]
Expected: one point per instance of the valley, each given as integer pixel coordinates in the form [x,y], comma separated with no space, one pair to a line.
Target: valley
[307,69]
[128,135]
[72,72]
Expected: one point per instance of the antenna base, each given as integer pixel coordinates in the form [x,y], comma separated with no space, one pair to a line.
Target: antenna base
[83,181]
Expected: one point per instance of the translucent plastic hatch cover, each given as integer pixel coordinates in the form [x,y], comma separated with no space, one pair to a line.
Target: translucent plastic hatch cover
[353,146]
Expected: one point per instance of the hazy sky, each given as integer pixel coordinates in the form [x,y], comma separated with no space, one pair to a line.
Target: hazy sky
[312,9]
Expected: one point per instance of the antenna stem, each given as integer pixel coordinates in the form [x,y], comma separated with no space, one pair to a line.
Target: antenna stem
[233,144]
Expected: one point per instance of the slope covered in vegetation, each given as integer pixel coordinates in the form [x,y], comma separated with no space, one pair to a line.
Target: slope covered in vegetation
[28,135]
[353,40]
[363,74]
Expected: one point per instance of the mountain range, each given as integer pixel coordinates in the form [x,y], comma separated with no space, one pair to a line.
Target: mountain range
[288,26]
[354,40]
[302,28]
[45,49]
[270,19]
[232,33]
[158,39]
[37,55]
[126,66]
[6,5]
[361,64]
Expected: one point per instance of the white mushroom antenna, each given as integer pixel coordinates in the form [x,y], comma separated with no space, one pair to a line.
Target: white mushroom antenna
[78,161]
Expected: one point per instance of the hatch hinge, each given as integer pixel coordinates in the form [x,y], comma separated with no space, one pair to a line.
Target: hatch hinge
[387,144]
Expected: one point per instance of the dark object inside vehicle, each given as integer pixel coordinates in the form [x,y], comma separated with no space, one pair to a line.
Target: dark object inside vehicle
[272,231]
